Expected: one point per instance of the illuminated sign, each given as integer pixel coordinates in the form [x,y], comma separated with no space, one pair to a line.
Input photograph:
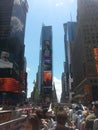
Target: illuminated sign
[47,52]
[47,61]
[47,78]
[46,49]
[4,60]
[47,64]
[46,44]
[9,85]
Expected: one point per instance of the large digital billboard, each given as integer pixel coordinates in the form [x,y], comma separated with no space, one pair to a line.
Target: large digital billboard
[46,49]
[9,85]
[47,78]
[5,60]
[47,44]
[46,53]
[47,64]
[8,65]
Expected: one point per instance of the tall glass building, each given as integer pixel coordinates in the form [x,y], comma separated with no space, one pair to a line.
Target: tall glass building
[70,29]
[45,64]
[12,61]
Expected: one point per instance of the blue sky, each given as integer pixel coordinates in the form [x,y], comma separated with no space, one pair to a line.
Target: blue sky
[49,12]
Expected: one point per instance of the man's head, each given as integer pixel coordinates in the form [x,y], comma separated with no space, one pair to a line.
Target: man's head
[61,117]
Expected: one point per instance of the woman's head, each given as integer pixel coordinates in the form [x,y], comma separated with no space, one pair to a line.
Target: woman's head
[31,123]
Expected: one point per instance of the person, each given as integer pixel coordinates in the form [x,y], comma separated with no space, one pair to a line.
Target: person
[62,120]
[46,120]
[85,113]
[95,109]
[89,122]
[30,123]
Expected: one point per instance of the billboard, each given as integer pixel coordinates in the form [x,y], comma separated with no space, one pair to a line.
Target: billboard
[46,53]
[96,58]
[5,60]
[8,65]
[46,49]
[47,64]
[9,85]
[47,44]
[47,78]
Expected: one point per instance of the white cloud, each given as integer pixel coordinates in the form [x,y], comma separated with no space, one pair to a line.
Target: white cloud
[58,87]
[71,1]
[59,4]
[28,69]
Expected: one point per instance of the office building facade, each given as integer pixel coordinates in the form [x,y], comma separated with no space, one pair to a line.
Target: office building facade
[12,60]
[85,51]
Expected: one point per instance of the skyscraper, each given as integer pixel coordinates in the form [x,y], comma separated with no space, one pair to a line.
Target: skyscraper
[45,64]
[70,29]
[85,51]
[12,47]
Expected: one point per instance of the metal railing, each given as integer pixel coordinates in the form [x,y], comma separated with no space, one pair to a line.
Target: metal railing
[14,124]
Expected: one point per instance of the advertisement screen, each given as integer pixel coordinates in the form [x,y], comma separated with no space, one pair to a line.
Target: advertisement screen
[46,53]
[47,61]
[9,85]
[47,64]
[46,49]
[47,79]
[47,44]
[5,60]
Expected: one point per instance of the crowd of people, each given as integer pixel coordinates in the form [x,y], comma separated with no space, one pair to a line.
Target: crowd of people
[73,117]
